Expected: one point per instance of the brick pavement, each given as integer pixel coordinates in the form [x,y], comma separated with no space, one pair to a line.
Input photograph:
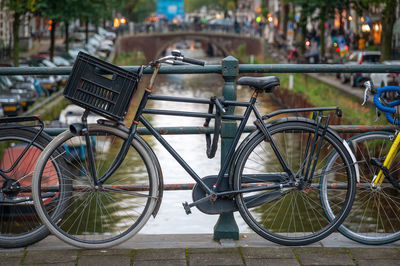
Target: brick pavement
[202,250]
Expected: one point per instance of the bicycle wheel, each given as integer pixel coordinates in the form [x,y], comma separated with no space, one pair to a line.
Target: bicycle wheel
[98,217]
[292,214]
[19,224]
[375,216]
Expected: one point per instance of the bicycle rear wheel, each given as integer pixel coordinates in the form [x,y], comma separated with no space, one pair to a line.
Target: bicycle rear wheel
[292,214]
[98,217]
[375,217]
[19,224]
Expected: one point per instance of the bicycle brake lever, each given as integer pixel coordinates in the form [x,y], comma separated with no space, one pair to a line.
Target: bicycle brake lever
[367,88]
[175,63]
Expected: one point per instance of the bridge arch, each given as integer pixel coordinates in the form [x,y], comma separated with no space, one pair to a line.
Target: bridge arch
[152,45]
[164,47]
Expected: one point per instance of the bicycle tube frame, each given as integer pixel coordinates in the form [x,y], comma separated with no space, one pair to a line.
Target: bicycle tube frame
[249,108]
[388,160]
[140,118]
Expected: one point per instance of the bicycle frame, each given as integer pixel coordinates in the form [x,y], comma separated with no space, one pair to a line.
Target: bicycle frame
[3,172]
[218,188]
[388,161]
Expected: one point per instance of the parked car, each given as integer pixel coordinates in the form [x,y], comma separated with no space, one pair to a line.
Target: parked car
[358,58]
[10,102]
[26,84]
[42,62]
[107,34]
[47,83]
[386,79]
[27,97]
[57,60]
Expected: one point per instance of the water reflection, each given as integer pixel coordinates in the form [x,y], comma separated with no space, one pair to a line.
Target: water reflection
[171,218]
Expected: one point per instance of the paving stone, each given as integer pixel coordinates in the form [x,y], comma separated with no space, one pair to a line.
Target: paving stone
[56,257]
[323,256]
[106,252]
[10,262]
[374,253]
[268,253]
[160,254]
[160,263]
[104,260]
[271,262]
[392,262]
[52,264]
[13,254]
[221,256]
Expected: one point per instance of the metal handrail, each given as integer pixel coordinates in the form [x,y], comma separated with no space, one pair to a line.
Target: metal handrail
[209,130]
[218,69]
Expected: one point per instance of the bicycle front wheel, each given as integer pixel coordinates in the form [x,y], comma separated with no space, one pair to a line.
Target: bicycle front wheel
[375,216]
[19,224]
[97,217]
[285,211]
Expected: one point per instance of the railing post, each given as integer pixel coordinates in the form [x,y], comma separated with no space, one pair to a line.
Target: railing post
[226,226]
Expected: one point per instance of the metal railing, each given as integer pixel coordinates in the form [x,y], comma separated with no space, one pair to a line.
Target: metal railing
[229,69]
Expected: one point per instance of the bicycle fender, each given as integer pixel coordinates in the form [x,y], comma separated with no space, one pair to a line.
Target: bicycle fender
[156,163]
[159,173]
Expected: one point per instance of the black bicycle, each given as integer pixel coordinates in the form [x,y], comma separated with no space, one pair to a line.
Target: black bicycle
[22,140]
[273,175]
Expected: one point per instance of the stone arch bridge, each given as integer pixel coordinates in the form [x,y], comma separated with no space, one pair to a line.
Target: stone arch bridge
[153,45]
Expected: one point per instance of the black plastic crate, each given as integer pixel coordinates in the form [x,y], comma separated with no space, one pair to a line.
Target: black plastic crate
[101,87]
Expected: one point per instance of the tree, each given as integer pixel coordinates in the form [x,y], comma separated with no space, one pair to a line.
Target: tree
[388,20]
[326,9]
[223,5]
[142,10]
[54,11]
[67,10]
[19,9]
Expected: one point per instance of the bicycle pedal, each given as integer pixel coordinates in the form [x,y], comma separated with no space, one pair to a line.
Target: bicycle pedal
[186,207]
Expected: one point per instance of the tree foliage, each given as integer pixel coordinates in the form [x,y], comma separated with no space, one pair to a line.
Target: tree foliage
[222,5]
[19,8]
[142,10]
[388,20]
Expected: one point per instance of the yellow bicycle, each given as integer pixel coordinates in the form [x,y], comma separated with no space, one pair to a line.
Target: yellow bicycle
[375,215]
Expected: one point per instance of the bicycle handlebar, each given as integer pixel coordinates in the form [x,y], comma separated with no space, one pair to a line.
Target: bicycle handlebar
[178,56]
[388,109]
[379,105]
[193,61]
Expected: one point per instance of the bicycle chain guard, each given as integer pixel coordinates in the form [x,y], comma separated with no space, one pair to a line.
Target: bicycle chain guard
[221,205]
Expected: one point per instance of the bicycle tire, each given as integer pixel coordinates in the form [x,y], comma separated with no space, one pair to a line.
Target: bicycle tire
[374,218]
[293,215]
[19,224]
[100,218]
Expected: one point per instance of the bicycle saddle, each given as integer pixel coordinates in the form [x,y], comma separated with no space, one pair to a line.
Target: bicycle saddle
[266,84]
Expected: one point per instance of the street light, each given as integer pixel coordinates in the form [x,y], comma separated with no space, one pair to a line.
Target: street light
[116,23]
[365,28]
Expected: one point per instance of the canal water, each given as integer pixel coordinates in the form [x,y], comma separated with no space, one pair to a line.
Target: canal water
[171,218]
